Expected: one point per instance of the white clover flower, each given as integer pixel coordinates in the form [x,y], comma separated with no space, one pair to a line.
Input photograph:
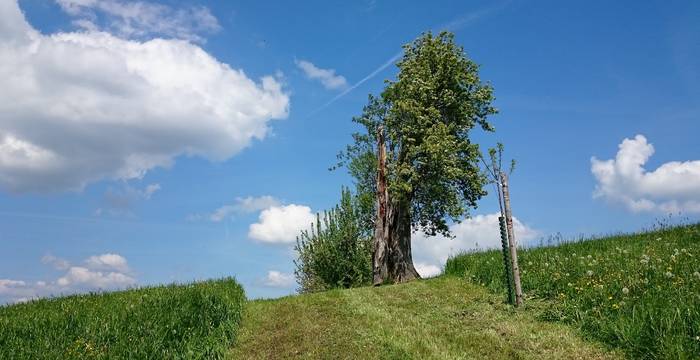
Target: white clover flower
[696,274]
[589,256]
[625,290]
[669,274]
[589,273]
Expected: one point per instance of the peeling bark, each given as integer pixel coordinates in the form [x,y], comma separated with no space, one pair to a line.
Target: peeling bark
[391,258]
[380,267]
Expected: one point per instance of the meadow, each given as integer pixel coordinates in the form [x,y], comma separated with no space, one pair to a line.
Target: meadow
[638,292]
[192,321]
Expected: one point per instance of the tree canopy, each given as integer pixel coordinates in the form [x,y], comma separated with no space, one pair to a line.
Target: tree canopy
[427,114]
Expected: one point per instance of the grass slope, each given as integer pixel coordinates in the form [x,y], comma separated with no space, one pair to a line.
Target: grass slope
[442,318]
[638,292]
[170,322]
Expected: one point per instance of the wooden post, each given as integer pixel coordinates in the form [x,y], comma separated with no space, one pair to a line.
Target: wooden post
[506,260]
[511,242]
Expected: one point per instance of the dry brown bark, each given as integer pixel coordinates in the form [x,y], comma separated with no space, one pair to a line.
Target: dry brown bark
[391,258]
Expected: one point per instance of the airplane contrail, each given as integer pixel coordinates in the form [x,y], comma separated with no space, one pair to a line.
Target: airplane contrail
[452,25]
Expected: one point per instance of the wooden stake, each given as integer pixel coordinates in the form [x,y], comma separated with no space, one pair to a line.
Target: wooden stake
[511,242]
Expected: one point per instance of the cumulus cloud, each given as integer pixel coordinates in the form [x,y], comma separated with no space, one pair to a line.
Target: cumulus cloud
[327,77]
[121,201]
[278,279]
[281,224]
[427,270]
[672,187]
[80,276]
[244,205]
[100,272]
[55,262]
[107,262]
[480,232]
[138,19]
[80,107]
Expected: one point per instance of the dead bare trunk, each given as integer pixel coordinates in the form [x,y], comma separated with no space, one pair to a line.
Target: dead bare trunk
[391,258]
[380,268]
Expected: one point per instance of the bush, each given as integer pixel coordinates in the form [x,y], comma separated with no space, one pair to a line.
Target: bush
[640,292]
[337,252]
[194,321]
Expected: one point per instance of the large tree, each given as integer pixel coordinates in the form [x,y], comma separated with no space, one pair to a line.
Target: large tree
[414,164]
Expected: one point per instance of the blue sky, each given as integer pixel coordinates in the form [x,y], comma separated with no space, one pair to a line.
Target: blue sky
[141,142]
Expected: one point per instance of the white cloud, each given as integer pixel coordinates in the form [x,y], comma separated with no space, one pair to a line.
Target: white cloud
[121,201]
[252,204]
[327,77]
[56,262]
[6,285]
[480,232]
[672,187]
[245,205]
[427,270]
[84,277]
[281,224]
[80,107]
[107,262]
[101,272]
[138,19]
[278,279]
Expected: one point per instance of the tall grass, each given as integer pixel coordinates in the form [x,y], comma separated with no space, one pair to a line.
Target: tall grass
[194,321]
[639,292]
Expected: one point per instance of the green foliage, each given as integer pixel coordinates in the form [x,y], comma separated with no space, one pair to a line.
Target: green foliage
[337,252]
[194,321]
[427,114]
[638,292]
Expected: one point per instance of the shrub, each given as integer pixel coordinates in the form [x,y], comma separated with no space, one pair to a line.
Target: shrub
[337,251]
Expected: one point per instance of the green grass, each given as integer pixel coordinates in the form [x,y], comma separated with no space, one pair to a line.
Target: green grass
[640,292]
[441,318]
[198,320]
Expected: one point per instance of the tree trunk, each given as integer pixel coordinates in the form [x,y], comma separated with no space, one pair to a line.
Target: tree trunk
[401,267]
[391,256]
[380,268]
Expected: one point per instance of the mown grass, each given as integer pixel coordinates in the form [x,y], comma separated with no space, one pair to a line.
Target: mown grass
[639,292]
[441,318]
[193,321]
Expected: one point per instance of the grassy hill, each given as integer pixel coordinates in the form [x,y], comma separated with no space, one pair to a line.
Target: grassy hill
[639,292]
[441,318]
[634,295]
[194,321]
